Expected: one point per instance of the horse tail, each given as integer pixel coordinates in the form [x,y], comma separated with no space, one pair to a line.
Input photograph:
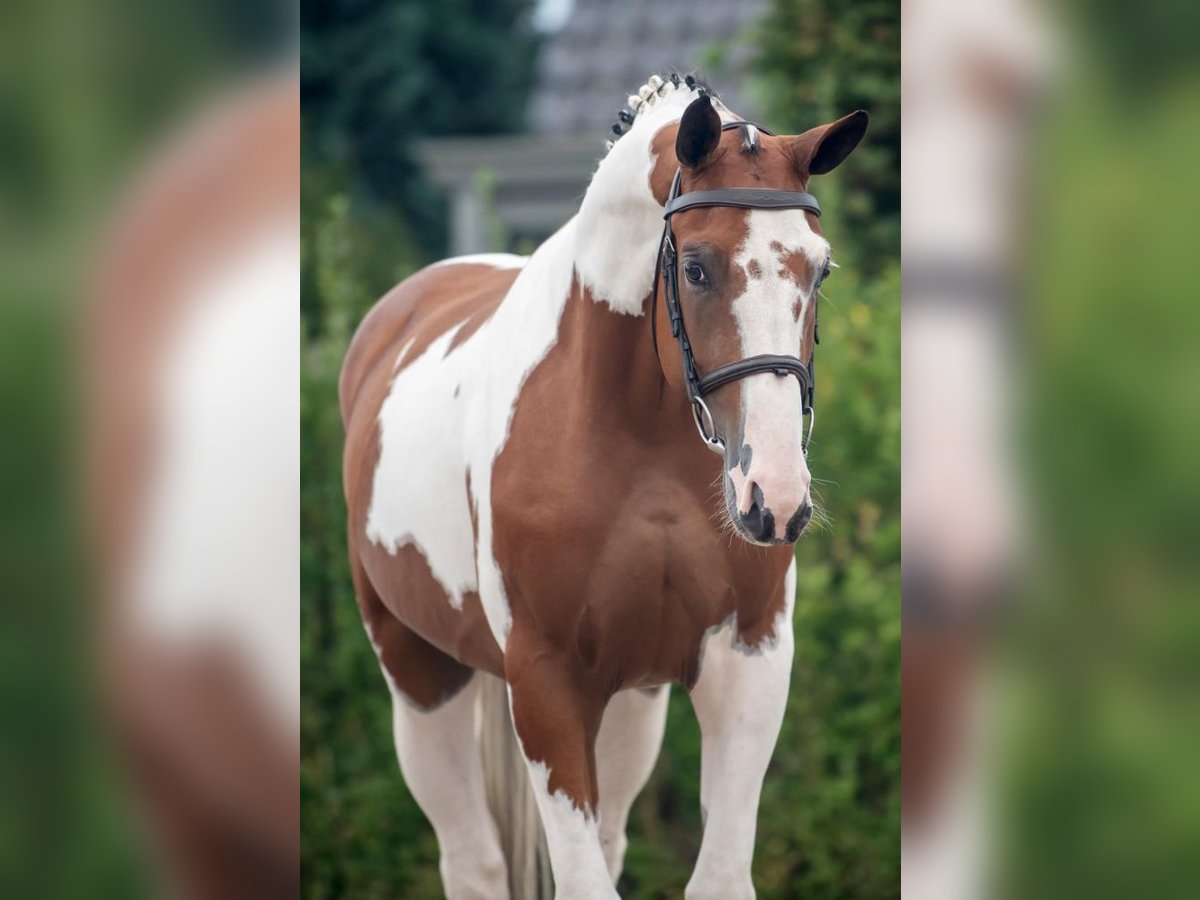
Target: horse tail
[510,796]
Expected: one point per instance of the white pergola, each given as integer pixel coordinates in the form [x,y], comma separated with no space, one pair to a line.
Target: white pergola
[509,193]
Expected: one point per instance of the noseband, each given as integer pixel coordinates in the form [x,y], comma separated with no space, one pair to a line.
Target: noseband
[699,386]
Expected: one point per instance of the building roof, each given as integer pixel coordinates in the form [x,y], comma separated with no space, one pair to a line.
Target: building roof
[608,48]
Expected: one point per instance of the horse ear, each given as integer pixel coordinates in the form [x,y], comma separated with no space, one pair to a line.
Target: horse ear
[822,149]
[699,132]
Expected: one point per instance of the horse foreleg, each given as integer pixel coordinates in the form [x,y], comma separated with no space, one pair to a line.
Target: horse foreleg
[739,699]
[630,737]
[557,719]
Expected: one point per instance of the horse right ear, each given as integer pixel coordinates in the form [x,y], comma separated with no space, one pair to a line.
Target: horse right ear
[699,132]
[822,149]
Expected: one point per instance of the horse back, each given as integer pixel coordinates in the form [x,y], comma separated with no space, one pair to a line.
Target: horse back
[415,313]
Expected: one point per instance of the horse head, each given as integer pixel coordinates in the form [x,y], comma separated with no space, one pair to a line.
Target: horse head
[743,262]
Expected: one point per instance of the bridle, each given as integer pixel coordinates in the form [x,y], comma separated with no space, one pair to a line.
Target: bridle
[699,386]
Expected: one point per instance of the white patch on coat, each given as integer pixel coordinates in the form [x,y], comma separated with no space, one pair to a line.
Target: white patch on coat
[495,260]
[627,746]
[218,555]
[431,440]
[620,222]
[767,323]
[439,758]
[572,836]
[739,699]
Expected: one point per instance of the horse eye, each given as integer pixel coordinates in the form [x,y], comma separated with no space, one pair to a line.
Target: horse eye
[824,275]
[693,272]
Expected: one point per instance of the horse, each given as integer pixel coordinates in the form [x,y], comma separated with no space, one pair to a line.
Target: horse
[534,527]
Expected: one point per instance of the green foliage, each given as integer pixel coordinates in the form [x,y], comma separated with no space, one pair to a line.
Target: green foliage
[821,59]
[361,833]
[378,74]
[1100,786]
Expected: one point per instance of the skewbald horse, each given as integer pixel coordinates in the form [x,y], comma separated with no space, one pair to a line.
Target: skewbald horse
[533,525]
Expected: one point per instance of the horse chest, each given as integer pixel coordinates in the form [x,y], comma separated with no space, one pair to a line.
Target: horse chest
[629,580]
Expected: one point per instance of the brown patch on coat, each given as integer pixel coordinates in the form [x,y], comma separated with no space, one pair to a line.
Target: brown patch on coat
[777,164]
[420,309]
[794,265]
[754,270]
[426,675]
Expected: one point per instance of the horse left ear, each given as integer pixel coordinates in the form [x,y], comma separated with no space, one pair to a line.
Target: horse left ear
[822,149]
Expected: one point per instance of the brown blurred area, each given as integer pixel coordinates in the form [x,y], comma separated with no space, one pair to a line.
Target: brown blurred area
[213,760]
[1049,438]
[149,476]
[973,77]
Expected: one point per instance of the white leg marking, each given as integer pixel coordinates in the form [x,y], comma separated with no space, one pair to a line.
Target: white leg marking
[439,757]
[572,837]
[630,737]
[739,700]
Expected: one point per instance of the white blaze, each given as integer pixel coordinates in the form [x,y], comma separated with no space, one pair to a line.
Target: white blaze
[767,324]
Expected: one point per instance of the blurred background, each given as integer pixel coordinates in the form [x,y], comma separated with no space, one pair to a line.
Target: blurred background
[433,128]
[148,733]
[1050,438]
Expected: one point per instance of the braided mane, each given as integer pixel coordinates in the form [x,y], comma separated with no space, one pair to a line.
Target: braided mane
[648,95]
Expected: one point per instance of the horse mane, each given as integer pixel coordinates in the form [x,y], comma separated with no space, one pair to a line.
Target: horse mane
[647,95]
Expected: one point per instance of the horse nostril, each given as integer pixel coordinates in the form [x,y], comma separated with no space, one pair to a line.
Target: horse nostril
[758,521]
[798,522]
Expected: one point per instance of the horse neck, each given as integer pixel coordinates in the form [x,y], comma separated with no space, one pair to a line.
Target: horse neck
[620,220]
[607,323]
[616,377]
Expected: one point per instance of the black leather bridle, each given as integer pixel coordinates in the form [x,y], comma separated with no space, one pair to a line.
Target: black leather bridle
[699,386]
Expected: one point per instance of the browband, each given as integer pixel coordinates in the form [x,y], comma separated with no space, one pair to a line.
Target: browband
[745,198]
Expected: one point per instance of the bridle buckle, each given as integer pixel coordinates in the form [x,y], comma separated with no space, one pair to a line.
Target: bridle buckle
[701,414]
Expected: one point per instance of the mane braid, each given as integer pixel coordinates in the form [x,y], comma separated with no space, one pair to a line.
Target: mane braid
[646,96]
